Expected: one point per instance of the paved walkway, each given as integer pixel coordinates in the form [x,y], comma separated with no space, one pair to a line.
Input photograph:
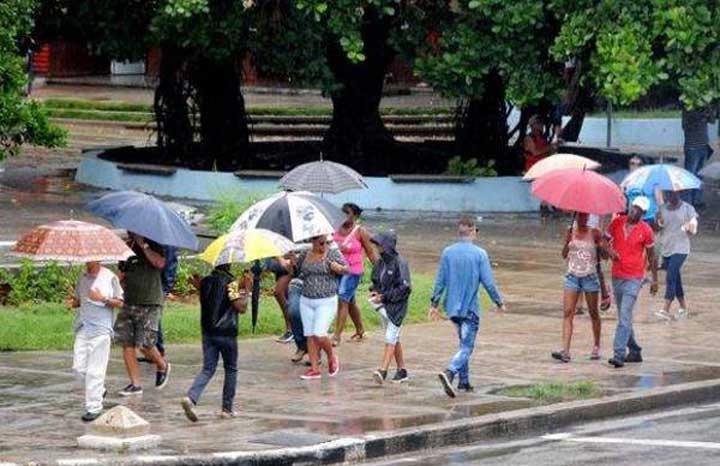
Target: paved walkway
[40,404]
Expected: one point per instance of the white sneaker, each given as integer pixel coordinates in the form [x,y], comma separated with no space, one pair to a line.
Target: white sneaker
[664,315]
[681,314]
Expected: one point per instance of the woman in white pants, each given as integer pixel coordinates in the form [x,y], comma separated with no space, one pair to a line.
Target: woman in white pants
[319,268]
[97,293]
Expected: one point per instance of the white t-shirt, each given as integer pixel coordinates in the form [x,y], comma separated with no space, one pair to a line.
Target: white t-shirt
[94,318]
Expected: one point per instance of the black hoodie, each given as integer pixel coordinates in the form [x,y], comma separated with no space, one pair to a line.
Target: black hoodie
[391,278]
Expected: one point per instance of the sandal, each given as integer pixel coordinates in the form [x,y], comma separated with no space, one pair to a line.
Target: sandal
[595,354]
[299,355]
[336,340]
[561,356]
[358,337]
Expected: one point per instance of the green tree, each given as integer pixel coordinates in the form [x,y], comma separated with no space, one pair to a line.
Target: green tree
[22,121]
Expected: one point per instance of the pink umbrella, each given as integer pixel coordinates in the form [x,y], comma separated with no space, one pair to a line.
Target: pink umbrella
[579,190]
[71,241]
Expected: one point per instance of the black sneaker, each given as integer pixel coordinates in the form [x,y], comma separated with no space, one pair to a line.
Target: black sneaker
[161,378]
[90,417]
[400,376]
[446,379]
[634,357]
[616,363]
[131,390]
[466,387]
[561,356]
[188,406]
[286,337]
[379,376]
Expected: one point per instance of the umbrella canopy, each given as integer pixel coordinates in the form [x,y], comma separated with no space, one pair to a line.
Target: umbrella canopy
[246,246]
[322,177]
[711,171]
[558,162]
[661,176]
[579,191]
[71,241]
[295,215]
[147,216]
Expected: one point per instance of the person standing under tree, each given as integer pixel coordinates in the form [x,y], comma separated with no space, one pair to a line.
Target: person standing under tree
[463,267]
[97,293]
[696,148]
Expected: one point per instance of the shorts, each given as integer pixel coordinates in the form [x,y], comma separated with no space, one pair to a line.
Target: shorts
[137,326]
[587,284]
[392,331]
[317,315]
[348,286]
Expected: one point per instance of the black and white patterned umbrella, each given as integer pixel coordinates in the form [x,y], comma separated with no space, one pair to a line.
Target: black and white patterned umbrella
[322,176]
[295,215]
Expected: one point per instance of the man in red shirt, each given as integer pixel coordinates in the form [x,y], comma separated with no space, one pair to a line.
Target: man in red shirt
[632,242]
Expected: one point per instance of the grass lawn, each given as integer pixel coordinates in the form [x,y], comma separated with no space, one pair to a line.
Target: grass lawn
[49,326]
[555,392]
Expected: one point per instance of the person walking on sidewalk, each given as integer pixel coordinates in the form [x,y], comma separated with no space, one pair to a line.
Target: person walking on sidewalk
[352,240]
[632,243]
[137,322]
[222,298]
[677,220]
[168,277]
[582,250]
[97,293]
[319,269]
[294,294]
[389,295]
[282,282]
[463,267]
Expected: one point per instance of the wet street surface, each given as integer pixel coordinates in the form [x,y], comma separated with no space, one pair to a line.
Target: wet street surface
[686,436]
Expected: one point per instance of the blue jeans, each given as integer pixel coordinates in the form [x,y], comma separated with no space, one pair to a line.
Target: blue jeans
[214,346]
[467,328]
[673,279]
[626,293]
[160,343]
[694,160]
[294,294]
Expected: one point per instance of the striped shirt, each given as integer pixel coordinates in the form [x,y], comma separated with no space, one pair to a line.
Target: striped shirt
[694,125]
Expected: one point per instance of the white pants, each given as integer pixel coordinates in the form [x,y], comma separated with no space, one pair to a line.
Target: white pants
[90,361]
[317,315]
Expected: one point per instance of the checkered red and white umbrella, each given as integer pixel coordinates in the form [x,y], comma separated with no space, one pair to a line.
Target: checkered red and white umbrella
[71,241]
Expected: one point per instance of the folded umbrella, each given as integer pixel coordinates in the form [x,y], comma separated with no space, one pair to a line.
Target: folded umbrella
[579,190]
[661,176]
[71,241]
[295,215]
[147,216]
[558,162]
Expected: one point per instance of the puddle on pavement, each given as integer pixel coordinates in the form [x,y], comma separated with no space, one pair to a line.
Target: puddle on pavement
[663,379]
[480,409]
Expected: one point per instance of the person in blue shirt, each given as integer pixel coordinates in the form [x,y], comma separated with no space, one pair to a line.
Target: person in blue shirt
[463,267]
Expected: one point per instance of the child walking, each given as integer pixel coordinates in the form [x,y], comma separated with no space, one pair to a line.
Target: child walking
[97,293]
[389,295]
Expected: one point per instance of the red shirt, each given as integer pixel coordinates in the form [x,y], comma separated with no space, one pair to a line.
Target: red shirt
[630,248]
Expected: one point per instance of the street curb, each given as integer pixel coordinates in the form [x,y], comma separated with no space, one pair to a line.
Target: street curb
[443,434]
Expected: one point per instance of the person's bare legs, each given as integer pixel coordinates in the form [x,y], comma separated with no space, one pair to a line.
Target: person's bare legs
[343,310]
[570,299]
[356,318]
[387,356]
[154,355]
[313,350]
[399,356]
[325,344]
[131,365]
[592,300]
[281,289]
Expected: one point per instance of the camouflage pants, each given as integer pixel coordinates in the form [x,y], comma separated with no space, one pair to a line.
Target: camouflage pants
[137,326]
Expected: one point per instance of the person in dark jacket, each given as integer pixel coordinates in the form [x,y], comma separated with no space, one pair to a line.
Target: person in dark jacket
[389,295]
[222,298]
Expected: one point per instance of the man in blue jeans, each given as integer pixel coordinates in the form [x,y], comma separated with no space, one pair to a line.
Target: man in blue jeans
[463,267]
[222,298]
[632,242]
[695,147]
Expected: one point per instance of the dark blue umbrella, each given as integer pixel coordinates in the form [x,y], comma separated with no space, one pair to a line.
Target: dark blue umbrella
[146,216]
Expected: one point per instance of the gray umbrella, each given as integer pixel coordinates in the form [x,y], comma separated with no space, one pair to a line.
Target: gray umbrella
[711,171]
[322,176]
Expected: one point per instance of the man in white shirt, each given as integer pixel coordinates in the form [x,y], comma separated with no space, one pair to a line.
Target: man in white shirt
[97,293]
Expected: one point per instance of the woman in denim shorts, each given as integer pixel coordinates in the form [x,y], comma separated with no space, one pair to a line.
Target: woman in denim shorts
[582,244]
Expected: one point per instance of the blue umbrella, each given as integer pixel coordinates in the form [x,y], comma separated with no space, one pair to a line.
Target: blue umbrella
[663,177]
[146,216]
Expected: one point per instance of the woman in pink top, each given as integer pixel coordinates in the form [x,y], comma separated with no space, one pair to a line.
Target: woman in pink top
[352,239]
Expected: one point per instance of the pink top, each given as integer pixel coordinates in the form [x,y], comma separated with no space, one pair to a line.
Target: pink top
[352,250]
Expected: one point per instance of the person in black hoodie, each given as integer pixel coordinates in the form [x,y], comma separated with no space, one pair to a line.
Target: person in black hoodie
[389,295]
[222,298]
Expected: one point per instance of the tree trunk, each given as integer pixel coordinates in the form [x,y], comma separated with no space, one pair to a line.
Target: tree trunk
[357,134]
[224,134]
[174,127]
[481,129]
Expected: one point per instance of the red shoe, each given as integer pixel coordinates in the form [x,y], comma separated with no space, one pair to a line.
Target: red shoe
[311,375]
[334,366]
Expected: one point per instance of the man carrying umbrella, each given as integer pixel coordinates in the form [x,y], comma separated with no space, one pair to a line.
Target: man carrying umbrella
[632,243]
[137,322]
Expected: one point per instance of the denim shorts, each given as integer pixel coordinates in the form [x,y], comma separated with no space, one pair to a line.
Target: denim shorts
[392,331]
[587,284]
[348,287]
